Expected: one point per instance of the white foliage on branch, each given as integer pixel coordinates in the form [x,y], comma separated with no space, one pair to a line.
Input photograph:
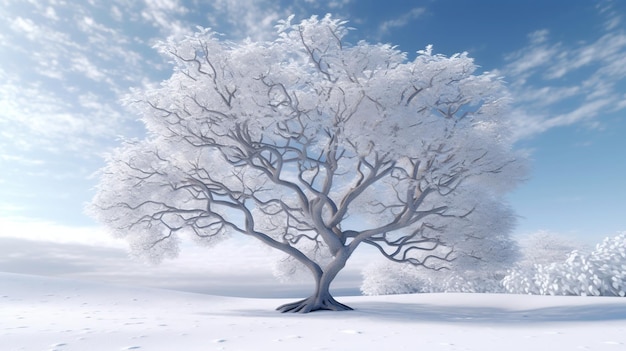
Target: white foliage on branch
[602,272]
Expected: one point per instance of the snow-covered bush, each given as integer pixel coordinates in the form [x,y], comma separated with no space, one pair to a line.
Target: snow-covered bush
[387,278]
[599,273]
[544,247]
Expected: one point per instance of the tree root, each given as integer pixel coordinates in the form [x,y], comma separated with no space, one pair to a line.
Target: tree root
[312,304]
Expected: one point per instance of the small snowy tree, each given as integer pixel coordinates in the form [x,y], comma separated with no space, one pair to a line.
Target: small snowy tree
[602,272]
[312,146]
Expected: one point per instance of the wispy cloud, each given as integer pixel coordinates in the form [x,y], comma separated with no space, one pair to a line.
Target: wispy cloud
[332,4]
[255,19]
[533,58]
[558,84]
[27,228]
[614,18]
[21,160]
[247,18]
[607,52]
[163,14]
[401,21]
[36,118]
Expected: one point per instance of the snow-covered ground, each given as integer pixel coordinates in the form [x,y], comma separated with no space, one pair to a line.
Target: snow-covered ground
[51,314]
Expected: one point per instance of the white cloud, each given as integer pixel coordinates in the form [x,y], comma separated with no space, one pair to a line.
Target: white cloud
[605,51]
[528,124]
[97,32]
[247,18]
[116,13]
[539,36]
[401,21]
[532,58]
[51,13]
[36,118]
[582,113]
[21,160]
[83,65]
[27,229]
[162,14]
[26,26]
[338,4]
[548,95]
[332,4]
[621,104]
[560,85]
[614,18]
[10,209]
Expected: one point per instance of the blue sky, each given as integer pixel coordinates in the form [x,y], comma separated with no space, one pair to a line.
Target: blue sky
[64,65]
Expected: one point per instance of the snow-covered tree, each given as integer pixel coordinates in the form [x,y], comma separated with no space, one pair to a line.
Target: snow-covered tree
[312,146]
[602,272]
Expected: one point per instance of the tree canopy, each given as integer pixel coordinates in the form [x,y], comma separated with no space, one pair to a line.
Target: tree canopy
[314,147]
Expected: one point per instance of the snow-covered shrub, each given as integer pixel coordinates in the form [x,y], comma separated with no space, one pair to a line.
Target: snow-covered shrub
[387,278]
[544,247]
[599,273]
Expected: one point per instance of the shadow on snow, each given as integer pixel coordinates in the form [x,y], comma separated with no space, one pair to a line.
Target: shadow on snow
[428,313]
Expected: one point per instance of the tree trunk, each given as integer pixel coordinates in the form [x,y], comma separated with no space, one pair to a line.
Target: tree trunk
[321,299]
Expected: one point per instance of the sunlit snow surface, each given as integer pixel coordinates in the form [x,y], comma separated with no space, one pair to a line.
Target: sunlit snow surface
[50,314]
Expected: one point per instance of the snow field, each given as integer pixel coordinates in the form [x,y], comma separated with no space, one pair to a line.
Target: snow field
[50,314]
